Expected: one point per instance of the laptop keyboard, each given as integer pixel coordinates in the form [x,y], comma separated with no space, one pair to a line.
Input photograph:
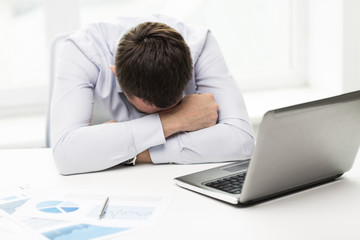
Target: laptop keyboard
[231,184]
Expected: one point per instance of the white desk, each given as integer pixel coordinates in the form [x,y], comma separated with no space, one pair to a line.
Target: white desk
[331,211]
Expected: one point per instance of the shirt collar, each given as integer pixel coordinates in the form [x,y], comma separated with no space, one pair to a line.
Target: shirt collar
[113,52]
[118,88]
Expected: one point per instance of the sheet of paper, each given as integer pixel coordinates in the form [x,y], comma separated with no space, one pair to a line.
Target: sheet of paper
[29,228]
[123,210]
[13,197]
[11,229]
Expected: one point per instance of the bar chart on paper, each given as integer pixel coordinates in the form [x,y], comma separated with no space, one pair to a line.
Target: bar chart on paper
[137,213]
[57,207]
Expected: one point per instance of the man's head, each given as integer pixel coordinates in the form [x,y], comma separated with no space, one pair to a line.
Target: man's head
[153,64]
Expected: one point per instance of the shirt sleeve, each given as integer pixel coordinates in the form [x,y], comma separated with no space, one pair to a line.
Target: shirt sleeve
[232,137]
[79,147]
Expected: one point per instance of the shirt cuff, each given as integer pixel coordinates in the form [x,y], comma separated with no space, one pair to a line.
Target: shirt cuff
[147,132]
[166,153]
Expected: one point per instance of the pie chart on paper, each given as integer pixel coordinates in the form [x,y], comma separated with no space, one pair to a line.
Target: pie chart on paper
[57,207]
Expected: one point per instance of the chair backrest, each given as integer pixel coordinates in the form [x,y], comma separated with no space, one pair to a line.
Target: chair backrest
[54,51]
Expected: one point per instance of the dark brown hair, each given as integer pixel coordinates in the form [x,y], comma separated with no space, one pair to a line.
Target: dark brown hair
[153,63]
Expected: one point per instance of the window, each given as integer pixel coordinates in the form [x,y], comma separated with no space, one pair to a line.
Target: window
[22,43]
[23,64]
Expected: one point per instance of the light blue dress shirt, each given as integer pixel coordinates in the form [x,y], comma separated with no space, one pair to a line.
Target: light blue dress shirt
[84,77]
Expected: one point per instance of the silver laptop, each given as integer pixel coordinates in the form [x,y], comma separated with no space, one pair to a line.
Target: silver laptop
[297,147]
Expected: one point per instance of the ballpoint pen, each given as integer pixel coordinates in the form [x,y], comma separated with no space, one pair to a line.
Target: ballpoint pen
[103,210]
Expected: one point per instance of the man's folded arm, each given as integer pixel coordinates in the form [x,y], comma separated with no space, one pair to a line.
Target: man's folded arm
[220,143]
[79,147]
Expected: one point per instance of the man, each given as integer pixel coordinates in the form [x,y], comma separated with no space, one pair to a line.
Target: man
[166,86]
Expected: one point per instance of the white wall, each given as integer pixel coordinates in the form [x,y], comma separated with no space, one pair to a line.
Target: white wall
[334,45]
[351,45]
[332,58]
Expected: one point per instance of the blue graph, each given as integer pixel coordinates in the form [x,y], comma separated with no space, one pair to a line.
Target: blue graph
[82,232]
[57,207]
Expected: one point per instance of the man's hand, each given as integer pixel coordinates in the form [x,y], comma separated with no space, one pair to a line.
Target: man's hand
[195,112]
